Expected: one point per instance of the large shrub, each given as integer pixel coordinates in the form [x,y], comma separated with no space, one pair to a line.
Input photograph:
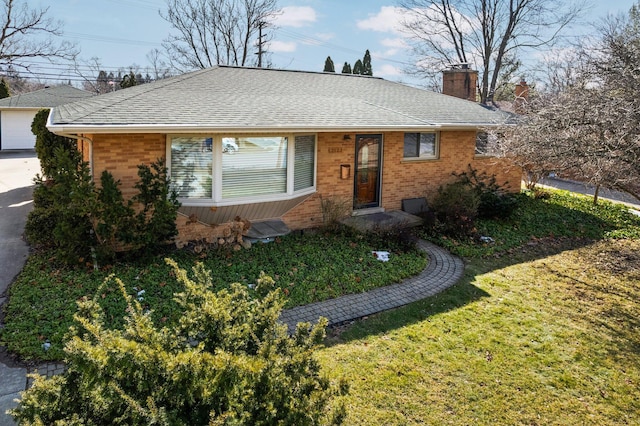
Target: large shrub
[456,208]
[228,361]
[48,145]
[495,202]
[63,207]
[155,223]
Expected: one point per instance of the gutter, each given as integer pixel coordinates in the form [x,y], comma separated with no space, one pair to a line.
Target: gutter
[67,129]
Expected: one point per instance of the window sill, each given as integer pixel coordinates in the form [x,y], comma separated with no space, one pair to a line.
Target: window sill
[244,200]
[418,159]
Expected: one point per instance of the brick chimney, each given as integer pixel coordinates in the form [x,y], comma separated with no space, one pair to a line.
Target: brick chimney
[460,81]
[521,96]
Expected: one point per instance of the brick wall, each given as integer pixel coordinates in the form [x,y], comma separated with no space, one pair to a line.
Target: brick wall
[401,178]
[422,178]
[121,154]
[333,151]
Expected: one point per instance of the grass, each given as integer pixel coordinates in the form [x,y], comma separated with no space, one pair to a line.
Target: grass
[541,330]
[542,342]
[309,268]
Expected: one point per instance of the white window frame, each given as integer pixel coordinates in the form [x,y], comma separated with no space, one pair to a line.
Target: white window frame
[216,198]
[435,156]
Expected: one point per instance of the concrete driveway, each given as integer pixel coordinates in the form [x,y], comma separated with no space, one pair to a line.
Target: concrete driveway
[17,170]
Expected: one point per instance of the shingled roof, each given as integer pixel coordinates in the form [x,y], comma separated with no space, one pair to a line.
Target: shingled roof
[254,99]
[48,97]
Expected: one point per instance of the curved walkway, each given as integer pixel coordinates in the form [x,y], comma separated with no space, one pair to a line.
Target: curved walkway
[442,271]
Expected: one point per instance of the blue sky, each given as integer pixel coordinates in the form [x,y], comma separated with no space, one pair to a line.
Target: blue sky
[121,32]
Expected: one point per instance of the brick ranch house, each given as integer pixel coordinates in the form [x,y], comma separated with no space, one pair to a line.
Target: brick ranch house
[264,144]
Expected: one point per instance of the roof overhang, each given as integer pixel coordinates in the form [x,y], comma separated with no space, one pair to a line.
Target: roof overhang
[78,129]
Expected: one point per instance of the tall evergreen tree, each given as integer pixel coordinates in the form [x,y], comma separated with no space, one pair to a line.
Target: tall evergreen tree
[4,89]
[328,65]
[366,64]
[358,67]
[129,80]
[346,68]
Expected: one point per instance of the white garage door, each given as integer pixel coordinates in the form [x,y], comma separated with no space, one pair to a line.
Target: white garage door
[16,130]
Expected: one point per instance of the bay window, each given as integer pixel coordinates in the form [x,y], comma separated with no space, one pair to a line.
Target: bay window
[224,169]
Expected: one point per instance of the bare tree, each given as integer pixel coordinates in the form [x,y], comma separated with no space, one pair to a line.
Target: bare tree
[158,67]
[482,32]
[27,33]
[589,130]
[211,32]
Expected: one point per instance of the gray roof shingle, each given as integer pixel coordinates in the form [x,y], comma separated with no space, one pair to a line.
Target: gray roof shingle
[247,99]
[48,97]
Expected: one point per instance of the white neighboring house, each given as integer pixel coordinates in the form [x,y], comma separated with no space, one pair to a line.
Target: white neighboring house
[17,113]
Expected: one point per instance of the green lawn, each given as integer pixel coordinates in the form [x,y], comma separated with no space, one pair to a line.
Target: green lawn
[541,330]
[540,333]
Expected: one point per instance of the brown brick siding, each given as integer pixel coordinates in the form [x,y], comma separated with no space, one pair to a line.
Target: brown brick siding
[121,155]
[333,151]
[401,178]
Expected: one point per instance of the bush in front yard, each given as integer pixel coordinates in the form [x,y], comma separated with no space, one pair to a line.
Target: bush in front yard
[495,202]
[227,361]
[456,207]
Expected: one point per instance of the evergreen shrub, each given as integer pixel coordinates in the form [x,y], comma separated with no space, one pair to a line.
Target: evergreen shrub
[227,361]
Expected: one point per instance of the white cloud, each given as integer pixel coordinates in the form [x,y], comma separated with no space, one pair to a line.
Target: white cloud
[325,36]
[394,46]
[282,46]
[387,70]
[387,20]
[296,16]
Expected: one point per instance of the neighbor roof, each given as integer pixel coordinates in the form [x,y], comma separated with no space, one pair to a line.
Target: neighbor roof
[226,98]
[48,97]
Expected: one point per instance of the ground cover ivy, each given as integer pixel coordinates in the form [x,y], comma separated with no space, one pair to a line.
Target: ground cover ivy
[308,268]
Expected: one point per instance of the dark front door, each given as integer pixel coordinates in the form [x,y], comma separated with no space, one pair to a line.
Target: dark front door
[367,171]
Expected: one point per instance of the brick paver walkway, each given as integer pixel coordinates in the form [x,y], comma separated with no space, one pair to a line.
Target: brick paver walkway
[443,271]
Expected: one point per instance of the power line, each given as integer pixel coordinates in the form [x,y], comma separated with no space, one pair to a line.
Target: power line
[318,42]
[107,39]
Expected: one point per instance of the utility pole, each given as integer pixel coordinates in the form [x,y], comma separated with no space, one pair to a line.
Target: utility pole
[261,24]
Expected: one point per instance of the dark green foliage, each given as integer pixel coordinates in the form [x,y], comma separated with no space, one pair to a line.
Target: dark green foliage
[61,218]
[346,68]
[129,80]
[113,218]
[47,143]
[358,67]
[494,201]
[155,223]
[328,65]
[78,222]
[228,361]
[473,195]
[456,208]
[4,89]
[366,64]
[308,267]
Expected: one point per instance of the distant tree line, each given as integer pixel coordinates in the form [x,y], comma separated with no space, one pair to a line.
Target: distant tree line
[361,66]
